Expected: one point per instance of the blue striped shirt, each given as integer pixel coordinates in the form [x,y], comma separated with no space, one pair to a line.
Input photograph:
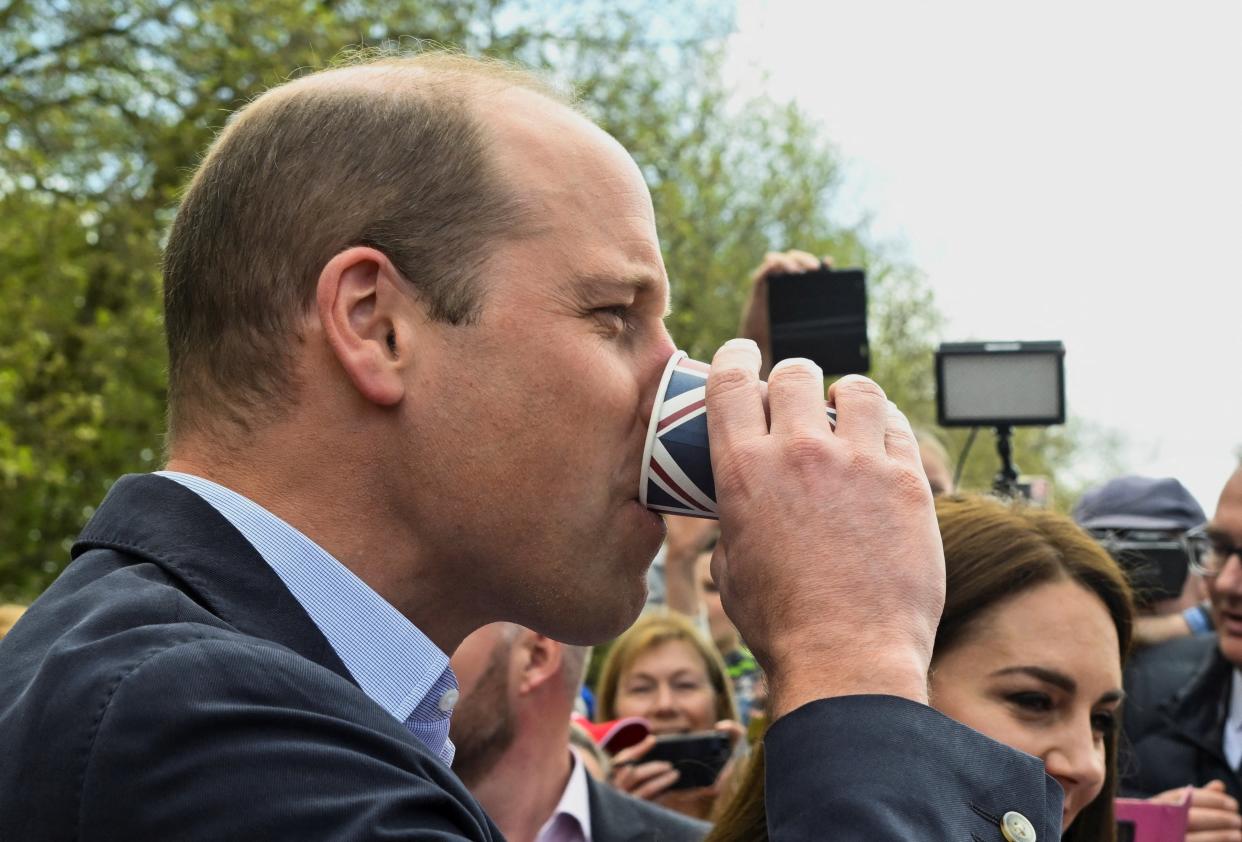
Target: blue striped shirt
[394,663]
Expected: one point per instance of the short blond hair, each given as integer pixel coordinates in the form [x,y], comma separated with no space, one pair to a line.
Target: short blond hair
[391,153]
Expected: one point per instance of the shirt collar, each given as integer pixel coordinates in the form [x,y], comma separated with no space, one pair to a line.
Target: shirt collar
[394,663]
[575,803]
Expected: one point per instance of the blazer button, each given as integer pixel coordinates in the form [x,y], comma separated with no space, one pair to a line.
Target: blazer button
[1015,827]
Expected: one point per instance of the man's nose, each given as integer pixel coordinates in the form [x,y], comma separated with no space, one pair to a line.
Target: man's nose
[1229,580]
[655,360]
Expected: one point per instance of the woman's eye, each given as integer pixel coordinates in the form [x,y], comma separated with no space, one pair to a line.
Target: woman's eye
[689,686]
[1104,722]
[1033,702]
[639,690]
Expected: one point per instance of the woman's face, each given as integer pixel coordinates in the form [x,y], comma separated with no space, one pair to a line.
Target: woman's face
[668,685]
[1040,672]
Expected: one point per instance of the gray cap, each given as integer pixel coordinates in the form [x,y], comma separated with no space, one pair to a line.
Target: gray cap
[1139,503]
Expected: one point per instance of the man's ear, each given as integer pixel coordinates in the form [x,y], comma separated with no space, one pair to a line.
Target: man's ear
[361,307]
[541,662]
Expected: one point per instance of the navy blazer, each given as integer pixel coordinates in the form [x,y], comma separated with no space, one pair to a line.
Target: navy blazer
[617,817]
[168,686]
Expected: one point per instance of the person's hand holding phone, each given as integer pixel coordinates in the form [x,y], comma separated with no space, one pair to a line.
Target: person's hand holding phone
[641,779]
[1213,812]
[658,780]
[755,323]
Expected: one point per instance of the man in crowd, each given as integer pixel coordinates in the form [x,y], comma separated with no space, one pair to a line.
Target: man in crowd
[1143,522]
[1197,736]
[415,325]
[511,729]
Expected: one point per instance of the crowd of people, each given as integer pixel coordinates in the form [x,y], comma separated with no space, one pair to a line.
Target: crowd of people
[415,324]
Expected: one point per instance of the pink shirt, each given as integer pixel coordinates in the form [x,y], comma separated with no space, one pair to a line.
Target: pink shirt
[571,820]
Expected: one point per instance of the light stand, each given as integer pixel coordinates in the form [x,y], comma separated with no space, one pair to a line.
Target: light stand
[1005,484]
[1001,385]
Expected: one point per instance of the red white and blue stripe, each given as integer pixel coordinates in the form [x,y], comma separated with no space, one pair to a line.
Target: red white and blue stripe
[677,476]
[677,464]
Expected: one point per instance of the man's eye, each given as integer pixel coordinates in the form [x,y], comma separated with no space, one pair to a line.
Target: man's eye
[614,318]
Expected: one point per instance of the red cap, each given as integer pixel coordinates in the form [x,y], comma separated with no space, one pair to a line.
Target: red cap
[618,734]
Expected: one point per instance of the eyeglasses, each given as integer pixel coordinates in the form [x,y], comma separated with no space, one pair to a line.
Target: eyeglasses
[1209,552]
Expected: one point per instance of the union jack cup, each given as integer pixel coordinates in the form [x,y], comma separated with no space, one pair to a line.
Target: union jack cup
[677,462]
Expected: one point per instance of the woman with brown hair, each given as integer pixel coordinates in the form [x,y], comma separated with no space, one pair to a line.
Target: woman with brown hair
[1036,624]
[666,671]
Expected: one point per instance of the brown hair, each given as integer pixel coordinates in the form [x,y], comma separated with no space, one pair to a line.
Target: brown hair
[650,631]
[993,551]
[388,153]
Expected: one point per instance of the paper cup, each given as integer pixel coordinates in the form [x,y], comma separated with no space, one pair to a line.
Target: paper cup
[677,462]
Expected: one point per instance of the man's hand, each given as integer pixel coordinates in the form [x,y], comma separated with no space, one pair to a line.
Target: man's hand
[755,323]
[833,569]
[1213,814]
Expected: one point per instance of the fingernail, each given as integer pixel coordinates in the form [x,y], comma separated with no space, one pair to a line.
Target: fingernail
[748,344]
[801,362]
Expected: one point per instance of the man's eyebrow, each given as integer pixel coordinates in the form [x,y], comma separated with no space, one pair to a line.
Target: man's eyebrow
[1215,533]
[638,283]
[1056,679]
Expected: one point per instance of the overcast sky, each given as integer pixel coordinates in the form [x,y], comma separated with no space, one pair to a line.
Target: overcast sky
[1059,170]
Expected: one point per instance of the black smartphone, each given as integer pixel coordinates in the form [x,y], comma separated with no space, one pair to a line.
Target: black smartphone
[698,757]
[821,315]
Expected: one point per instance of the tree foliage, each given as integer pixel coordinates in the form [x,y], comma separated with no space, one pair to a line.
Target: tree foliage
[105,106]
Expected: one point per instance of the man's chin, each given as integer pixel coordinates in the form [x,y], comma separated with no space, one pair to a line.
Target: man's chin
[600,617]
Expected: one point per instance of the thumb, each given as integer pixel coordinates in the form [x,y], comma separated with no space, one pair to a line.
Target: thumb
[1215,786]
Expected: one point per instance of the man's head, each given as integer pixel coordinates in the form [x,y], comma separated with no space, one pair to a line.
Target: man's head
[387,154]
[1142,522]
[1225,533]
[437,289]
[514,684]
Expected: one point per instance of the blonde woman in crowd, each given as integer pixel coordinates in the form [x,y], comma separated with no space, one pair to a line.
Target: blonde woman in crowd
[666,671]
